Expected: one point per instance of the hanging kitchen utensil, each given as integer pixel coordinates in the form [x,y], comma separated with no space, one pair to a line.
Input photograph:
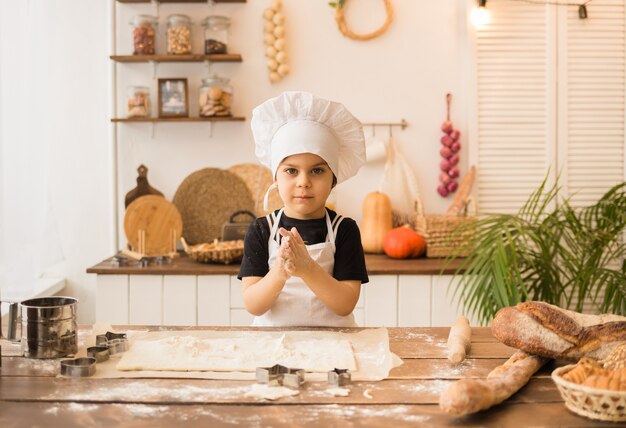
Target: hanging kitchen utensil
[152,226]
[258,178]
[143,187]
[206,199]
[234,230]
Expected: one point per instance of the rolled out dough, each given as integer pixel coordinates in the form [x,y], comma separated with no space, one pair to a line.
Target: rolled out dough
[244,354]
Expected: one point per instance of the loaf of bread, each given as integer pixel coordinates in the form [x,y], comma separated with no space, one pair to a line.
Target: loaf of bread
[467,396]
[549,331]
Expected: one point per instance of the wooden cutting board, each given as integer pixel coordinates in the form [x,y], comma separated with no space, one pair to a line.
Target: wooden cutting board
[258,178]
[155,221]
[143,187]
[206,199]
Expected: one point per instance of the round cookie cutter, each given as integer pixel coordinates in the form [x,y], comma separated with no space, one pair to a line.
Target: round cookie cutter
[78,367]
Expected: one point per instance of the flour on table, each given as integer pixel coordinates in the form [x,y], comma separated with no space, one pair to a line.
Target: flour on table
[338,392]
[268,392]
[244,354]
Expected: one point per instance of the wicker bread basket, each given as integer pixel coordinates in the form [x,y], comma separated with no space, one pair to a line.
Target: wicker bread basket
[224,252]
[439,229]
[593,403]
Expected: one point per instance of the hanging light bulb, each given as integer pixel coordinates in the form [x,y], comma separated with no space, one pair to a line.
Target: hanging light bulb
[582,11]
[480,16]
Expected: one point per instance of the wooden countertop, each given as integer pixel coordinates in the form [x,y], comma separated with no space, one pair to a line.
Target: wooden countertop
[183,265]
[30,395]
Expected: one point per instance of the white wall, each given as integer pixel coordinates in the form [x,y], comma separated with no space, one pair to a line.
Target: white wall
[403,74]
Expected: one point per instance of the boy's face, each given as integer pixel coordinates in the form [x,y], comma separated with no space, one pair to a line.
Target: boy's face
[304,183]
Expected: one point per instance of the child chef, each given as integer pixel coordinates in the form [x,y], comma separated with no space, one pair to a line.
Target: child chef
[303,265]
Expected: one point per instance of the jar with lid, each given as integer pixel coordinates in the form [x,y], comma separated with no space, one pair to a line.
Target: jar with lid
[216,34]
[138,101]
[216,97]
[178,34]
[143,34]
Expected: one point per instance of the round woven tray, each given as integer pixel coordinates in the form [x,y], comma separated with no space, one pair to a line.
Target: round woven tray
[258,179]
[593,403]
[206,199]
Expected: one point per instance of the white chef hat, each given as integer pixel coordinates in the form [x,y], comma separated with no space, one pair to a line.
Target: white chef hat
[298,122]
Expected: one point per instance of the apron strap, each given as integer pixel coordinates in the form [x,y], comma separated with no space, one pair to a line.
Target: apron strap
[332,229]
[274,227]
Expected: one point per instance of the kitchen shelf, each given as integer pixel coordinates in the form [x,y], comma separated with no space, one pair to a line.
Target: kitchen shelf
[177,58]
[179,119]
[181,1]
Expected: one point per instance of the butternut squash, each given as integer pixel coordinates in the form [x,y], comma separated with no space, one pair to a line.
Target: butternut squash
[377,221]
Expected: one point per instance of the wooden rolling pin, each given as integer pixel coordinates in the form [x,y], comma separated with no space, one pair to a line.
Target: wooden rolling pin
[459,340]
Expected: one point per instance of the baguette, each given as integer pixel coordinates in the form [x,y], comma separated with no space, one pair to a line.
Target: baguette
[463,192]
[468,396]
[459,340]
[547,330]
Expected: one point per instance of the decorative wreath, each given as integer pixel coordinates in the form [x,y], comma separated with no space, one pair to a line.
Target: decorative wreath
[343,25]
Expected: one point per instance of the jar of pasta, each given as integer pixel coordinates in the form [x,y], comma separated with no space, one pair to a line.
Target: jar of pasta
[216,97]
[216,34]
[143,34]
[178,34]
[138,102]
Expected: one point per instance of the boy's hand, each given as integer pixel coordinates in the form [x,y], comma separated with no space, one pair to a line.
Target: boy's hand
[297,260]
[285,256]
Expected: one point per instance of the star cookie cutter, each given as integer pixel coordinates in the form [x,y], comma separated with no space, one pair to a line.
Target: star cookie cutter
[280,375]
[339,377]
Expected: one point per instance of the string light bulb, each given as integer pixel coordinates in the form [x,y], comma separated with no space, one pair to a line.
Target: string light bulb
[480,16]
[582,11]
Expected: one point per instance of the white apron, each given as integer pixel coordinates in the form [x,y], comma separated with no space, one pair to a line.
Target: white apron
[297,305]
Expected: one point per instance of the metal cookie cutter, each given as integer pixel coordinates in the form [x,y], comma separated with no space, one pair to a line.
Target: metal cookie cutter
[280,375]
[116,342]
[339,377]
[100,353]
[78,367]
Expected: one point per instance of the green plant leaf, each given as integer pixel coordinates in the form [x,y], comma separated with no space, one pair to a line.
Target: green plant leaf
[550,251]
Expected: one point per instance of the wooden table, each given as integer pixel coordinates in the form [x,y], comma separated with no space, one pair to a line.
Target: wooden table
[31,396]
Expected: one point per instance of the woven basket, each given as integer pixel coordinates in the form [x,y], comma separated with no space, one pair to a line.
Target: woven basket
[438,230]
[224,252]
[593,403]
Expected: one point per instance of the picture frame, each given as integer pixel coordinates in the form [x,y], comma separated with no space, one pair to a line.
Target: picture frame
[173,97]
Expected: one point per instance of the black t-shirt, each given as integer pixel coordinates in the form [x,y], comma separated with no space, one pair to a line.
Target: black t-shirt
[349,258]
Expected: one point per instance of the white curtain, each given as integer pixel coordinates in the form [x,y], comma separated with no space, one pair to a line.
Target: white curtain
[29,238]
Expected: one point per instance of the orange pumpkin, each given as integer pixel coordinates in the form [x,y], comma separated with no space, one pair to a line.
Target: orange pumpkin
[403,243]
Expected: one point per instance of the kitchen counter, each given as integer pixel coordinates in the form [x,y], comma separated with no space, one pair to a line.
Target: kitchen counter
[183,265]
[30,395]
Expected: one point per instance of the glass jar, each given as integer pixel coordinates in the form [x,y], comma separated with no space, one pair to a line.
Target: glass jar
[143,34]
[138,101]
[216,34]
[178,34]
[216,97]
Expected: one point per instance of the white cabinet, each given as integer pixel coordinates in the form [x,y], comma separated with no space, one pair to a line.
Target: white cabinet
[215,300]
[146,299]
[179,300]
[381,301]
